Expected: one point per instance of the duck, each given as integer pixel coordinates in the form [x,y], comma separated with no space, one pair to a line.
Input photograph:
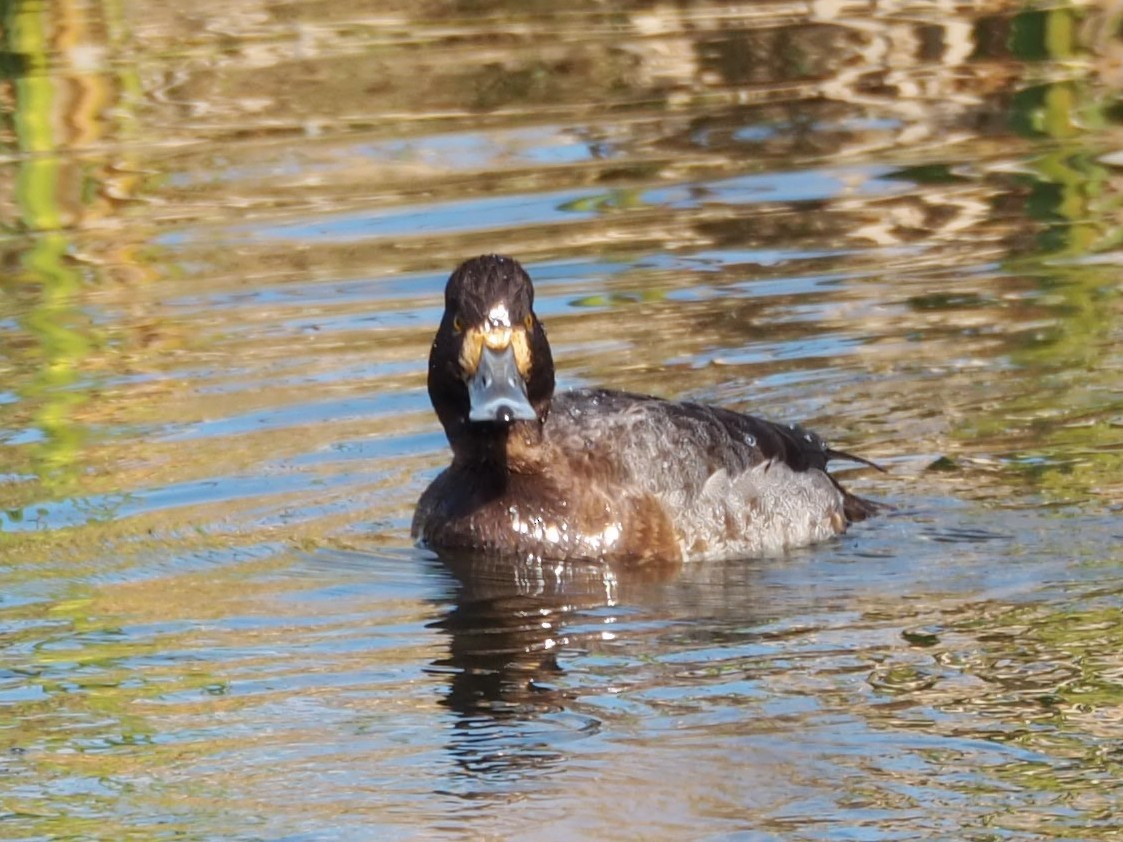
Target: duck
[594,474]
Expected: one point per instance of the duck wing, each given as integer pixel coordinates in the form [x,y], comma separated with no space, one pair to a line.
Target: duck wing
[681,451]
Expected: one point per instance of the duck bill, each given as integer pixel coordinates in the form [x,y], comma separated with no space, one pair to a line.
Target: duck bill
[497,391]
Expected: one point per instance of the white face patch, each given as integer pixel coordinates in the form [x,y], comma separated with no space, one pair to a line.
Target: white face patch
[499,317]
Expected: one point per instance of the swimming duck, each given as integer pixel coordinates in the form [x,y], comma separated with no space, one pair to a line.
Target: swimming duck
[599,474]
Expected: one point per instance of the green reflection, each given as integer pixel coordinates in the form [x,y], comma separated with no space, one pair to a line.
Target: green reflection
[63,346]
[44,294]
[1077,448]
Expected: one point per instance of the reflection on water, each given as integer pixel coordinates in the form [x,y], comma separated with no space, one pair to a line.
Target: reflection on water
[505,629]
[898,677]
[225,230]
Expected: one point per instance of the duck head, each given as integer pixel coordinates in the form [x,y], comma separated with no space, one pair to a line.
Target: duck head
[490,366]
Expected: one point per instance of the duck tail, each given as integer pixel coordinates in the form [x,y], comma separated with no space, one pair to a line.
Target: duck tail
[856,508]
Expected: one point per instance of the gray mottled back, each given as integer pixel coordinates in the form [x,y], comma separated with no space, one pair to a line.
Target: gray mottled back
[731,484]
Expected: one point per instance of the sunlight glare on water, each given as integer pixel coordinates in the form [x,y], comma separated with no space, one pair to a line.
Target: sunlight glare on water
[225,233]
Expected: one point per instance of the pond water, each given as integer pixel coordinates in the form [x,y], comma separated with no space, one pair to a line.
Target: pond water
[225,230]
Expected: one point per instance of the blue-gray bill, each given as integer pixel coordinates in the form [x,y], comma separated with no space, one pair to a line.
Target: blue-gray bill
[497,391]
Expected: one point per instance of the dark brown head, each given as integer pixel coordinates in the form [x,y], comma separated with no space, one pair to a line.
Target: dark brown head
[490,366]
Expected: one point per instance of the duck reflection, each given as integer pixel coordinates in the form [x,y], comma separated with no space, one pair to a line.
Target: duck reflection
[508,622]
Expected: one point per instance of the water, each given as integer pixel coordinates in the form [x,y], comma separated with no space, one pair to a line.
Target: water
[225,232]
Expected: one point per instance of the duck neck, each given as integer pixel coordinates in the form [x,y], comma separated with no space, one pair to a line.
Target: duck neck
[498,448]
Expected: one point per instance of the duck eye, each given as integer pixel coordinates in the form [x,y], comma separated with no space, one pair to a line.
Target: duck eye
[528,322]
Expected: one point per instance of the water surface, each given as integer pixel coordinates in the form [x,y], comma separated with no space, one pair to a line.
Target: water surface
[225,231]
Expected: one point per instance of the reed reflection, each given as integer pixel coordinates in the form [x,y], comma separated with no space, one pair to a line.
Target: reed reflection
[66,189]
